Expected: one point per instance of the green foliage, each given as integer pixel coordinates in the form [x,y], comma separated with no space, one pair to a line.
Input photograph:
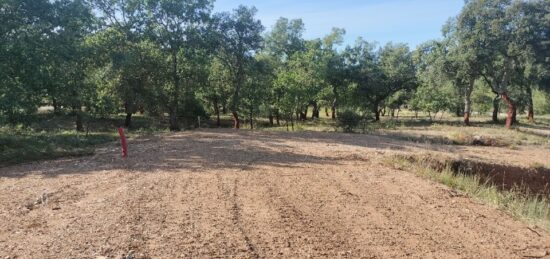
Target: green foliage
[541,102]
[432,99]
[348,120]
[482,99]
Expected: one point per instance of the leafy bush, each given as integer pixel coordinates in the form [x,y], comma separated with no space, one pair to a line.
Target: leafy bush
[348,120]
[190,110]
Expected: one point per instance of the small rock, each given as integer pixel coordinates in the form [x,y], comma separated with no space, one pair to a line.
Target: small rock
[130,255]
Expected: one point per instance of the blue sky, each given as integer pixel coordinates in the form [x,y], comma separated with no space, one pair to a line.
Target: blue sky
[408,21]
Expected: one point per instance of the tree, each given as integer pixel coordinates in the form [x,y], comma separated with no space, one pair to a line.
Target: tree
[281,43]
[488,29]
[25,35]
[380,75]
[177,25]
[240,37]
[75,22]
[336,73]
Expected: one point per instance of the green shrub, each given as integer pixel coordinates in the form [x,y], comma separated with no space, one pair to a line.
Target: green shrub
[348,120]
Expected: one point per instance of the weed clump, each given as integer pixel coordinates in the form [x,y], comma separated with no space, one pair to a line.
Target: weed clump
[348,120]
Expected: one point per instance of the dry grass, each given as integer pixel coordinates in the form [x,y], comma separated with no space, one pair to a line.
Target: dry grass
[534,209]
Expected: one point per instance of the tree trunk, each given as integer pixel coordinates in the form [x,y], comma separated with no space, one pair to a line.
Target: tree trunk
[530,109]
[128,120]
[514,115]
[250,115]
[376,111]
[468,102]
[78,115]
[234,107]
[236,122]
[303,115]
[511,109]
[217,112]
[531,113]
[333,108]
[175,95]
[398,111]
[496,104]
[270,117]
[173,120]
[326,112]
[277,117]
[315,112]
[55,106]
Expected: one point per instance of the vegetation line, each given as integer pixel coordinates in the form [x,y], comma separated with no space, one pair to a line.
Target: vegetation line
[534,209]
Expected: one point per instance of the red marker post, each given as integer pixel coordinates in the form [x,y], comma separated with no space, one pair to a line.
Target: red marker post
[123,142]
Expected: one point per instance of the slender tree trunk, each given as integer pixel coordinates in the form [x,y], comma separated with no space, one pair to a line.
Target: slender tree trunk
[173,120]
[304,114]
[270,117]
[250,115]
[398,111]
[217,112]
[315,112]
[333,108]
[468,102]
[235,102]
[278,117]
[376,111]
[55,106]
[496,104]
[511,109]
[286,122]
[78,118]
[326,112]
[236,122]
[128,120]
[514,115]
[530,109]
[175,95]
[224,108]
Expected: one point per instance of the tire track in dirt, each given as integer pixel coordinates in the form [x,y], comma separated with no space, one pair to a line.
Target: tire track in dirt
[249,195]
[237,220]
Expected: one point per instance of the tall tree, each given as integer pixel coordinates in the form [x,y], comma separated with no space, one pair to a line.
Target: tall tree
[177,26]
[240,38]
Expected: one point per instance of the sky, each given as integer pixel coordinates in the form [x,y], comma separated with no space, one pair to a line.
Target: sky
[382,21]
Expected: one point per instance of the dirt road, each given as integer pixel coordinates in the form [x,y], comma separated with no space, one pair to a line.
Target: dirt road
[222,193]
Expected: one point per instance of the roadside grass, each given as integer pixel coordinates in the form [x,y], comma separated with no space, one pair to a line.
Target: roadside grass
[49,137]
[19,146]
[533,209]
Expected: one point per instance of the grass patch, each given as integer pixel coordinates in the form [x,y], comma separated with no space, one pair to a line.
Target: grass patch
[19,146]
[534,209]
[48,136]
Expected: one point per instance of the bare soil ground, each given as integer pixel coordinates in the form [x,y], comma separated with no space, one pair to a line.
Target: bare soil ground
[223,193]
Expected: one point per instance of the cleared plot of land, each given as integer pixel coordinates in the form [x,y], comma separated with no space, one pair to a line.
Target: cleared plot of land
[220,193]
